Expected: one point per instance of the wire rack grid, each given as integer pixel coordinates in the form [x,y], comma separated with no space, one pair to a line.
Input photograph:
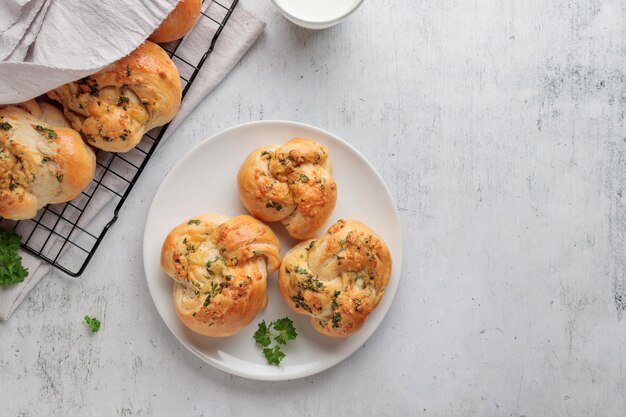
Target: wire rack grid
[67,235]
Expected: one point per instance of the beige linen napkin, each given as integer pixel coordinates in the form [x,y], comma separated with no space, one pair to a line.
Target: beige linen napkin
[238,35]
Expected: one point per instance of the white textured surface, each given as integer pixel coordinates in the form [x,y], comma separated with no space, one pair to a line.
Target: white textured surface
[499,127]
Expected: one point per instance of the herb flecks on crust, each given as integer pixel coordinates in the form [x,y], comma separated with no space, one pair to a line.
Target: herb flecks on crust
[46,131]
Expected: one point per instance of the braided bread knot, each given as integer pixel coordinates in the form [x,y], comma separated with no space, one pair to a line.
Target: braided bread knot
[338,279]
[292,184]
[113,108]
[220,267]
[42,160]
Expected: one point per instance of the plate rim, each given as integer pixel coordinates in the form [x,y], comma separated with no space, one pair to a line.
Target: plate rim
[397,263]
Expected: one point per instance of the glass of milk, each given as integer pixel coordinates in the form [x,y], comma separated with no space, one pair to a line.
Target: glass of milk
[317,14]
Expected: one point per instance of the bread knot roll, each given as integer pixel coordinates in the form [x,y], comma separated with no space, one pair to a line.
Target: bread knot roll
[42,160]
[179,22]
[338,279]
[292,183]
[113,108]
[220,267]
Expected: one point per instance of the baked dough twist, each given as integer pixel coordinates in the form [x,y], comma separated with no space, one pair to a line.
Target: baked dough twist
[338,279]
[179,22]
[292,183]
[220,266]
[42,160]
[113,108]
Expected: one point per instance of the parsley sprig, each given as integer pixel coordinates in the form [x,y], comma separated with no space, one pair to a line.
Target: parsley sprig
[282,331]
[11,269]
[93,323]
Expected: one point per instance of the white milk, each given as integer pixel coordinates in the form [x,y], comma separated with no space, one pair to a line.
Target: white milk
[317,10]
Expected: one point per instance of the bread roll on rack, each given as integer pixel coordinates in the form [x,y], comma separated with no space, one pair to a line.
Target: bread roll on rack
[113,108]
[179,22]
[42,160]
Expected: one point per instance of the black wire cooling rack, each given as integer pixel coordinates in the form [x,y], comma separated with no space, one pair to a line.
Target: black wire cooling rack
[67,235]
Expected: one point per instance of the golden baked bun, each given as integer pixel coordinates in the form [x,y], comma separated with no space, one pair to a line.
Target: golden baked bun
[179,22]
[113,108]
[42,160]
[337,279]
[220,266]
[292,183]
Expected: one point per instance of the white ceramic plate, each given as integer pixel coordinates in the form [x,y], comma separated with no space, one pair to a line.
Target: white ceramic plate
[211,167]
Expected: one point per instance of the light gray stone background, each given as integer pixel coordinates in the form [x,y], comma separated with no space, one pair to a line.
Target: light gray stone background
[498,126]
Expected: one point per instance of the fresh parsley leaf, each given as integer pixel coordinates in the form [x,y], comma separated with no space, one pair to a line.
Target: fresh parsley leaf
[5,126]
[274,356]
[286,329]
[262,335]
[11,269]
[93,323]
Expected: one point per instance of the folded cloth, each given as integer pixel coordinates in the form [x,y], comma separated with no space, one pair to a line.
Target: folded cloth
[53,42]
[10,13]
[241,31]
